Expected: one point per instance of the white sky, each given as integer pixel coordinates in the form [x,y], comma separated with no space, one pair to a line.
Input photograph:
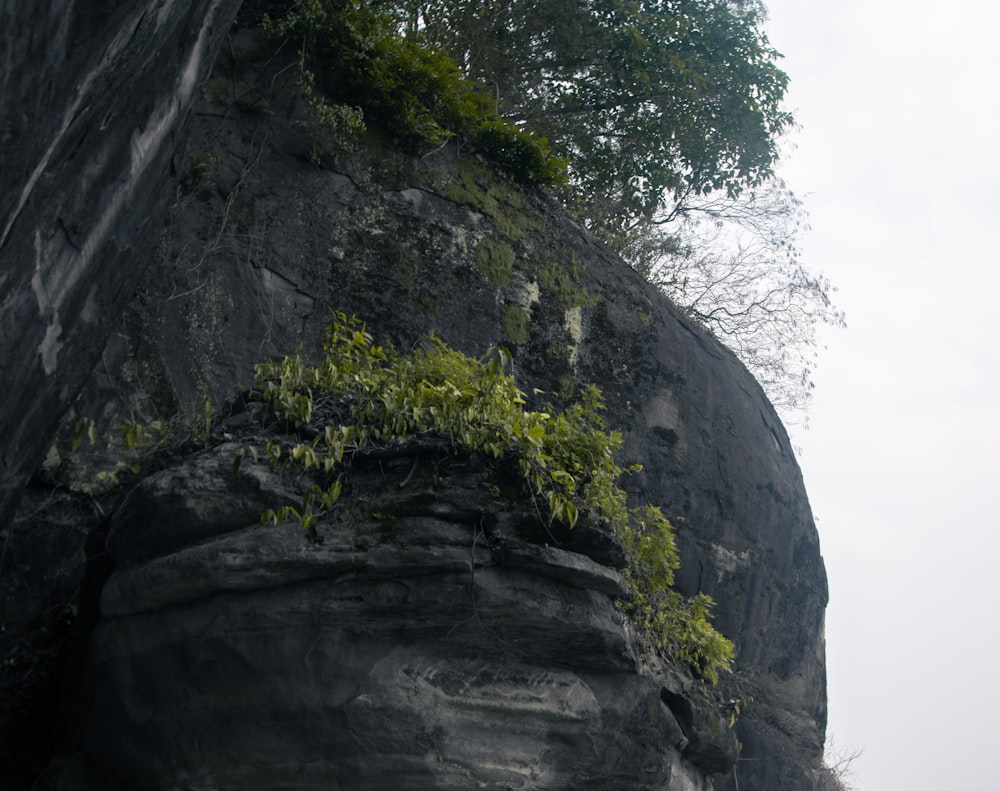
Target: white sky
[898,162]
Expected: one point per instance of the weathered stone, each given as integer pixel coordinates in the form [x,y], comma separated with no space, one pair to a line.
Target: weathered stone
[92,102]
[194,503]
[566,567]
[350,661]
[709,742]
[393,240]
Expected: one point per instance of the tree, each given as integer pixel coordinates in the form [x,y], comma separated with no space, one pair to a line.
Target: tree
[650,99]
[837,771]
[670,113]
[734,266]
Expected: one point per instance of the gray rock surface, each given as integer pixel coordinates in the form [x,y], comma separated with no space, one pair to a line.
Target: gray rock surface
[410,652]
[92,101]
[400,241]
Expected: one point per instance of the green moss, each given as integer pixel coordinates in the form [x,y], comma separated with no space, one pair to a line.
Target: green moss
[465,188]
[489,193]
[517,324]
[561,279]
[496,260]
[557,351]
[408,268]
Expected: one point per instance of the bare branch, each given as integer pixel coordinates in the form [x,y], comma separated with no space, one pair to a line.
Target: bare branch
[734,266]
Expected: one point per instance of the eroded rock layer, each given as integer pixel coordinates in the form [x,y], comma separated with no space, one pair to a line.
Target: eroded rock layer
[416,639]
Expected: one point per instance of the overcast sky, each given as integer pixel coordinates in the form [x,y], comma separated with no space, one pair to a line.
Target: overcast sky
[898,162]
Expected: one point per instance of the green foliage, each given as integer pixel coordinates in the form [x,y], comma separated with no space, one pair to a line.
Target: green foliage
[649,98]
[679,627]
[198,171]
[527,156]
[415,90]
[566,458]
[563,279]
[333,128]
[94,462]
[202,416]
[97,456]
[501,202]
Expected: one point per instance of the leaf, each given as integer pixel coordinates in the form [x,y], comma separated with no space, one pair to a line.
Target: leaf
[331,496]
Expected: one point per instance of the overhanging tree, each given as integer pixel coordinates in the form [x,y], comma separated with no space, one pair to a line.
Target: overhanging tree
[734,266]
[651,99]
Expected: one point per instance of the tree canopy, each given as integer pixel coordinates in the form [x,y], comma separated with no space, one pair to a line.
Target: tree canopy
[649,99]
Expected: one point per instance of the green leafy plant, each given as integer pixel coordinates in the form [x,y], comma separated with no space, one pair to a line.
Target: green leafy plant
[526,155]
[566,458]
[203,414]
[94,462]
[97,458]
[333,128]
[356,55]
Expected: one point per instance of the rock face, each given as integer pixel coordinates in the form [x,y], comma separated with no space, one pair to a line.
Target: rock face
[92,100]
[418,640]
[441,648]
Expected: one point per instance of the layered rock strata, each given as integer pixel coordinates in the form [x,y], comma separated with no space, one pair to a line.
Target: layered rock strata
[418,638]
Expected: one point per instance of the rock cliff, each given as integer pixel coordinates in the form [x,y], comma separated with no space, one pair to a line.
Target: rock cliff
[92,102]
[446,646]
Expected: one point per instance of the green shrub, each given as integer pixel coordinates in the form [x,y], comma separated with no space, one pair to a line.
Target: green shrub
[566,458]
[525,155]
[357,56]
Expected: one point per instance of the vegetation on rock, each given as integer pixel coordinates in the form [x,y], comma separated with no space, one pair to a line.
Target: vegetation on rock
[657,122]
[415,90]
[649,99]
[360,396]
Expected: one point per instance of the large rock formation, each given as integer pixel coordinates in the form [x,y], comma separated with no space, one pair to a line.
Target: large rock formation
[418,638]
[257,626]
